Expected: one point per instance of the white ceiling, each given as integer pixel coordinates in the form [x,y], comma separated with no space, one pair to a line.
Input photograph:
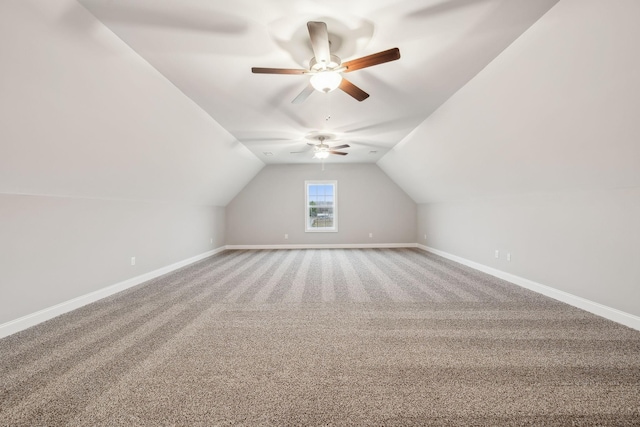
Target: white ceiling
[207,49]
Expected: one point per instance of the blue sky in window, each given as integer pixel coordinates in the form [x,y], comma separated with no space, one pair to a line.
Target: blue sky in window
[321,193]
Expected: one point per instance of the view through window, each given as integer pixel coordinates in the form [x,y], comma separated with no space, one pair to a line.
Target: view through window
[321,206]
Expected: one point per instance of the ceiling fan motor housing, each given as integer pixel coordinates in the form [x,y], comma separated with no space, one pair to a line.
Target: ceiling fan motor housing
[333,63]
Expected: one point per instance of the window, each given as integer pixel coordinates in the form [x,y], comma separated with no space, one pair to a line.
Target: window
[321,206]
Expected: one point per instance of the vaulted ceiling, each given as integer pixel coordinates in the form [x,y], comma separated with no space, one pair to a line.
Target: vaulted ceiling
[206,49]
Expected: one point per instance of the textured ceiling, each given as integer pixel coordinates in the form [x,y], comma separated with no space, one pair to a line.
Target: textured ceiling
[207,49]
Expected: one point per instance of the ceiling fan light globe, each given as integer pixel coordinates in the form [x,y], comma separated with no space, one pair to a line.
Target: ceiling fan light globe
[326,81]
[321,155]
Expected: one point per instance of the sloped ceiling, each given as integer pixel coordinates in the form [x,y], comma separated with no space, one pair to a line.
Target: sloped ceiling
[82,115]
[207,49]
[555,112]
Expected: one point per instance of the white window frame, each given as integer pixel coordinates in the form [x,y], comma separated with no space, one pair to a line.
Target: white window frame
[307,222]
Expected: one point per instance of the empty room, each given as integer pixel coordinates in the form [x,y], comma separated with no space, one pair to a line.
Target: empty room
[384,212]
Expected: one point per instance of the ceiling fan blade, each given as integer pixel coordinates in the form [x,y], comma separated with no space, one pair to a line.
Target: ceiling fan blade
[339,153]
[371,60]
[261,70]
[340,147]
[319,41]
[353,90]
[303,95]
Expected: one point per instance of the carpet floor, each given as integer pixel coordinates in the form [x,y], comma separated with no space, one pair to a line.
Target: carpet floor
[375,337]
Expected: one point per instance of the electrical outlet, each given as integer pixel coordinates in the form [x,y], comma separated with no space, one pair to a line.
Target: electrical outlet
[211,240]
[508,256]
[497,254]
[425,237]
[286,236]
[370,235]
[133,260]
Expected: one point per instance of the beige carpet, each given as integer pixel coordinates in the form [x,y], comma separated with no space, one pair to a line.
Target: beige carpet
[323,337]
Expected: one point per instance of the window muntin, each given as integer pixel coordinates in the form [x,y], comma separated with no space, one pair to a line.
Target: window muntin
[321,206]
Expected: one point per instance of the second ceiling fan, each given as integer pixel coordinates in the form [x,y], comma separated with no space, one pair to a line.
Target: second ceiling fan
[326,69]
[321,150]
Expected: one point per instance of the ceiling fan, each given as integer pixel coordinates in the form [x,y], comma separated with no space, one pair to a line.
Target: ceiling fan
[321,150]
[326,69]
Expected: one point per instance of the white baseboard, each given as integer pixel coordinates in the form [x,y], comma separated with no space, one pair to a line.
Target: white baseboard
[326,246]
[593,307]
[33,319]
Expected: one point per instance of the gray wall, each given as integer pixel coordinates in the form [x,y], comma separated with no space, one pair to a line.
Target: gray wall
[55,249]
[101,159]
[273,204]
[546,165]
[583,243]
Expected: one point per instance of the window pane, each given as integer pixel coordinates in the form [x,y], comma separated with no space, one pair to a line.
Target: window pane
[323,218]
[321,206]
